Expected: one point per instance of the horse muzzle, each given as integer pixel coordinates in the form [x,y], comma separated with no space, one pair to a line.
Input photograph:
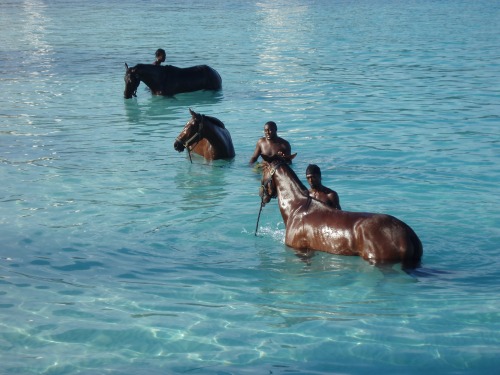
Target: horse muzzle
[265,199]
[129,95]
[179,146]
[264,196]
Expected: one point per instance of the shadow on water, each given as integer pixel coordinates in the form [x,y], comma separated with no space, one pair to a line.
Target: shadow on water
[198,98]
[201,183]
[424,272]
[307,258]
[153,106]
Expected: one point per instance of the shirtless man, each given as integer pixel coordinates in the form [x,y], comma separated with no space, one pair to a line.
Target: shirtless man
[318,191]
[270,144]
[160,56]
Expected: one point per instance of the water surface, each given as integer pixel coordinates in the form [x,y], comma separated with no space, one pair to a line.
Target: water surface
[119,256]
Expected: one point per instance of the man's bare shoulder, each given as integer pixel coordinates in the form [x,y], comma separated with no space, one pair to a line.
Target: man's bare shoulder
[327,190]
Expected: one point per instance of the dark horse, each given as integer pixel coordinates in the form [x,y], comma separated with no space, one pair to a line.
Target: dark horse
[206,136]
[169,80]
[312,225]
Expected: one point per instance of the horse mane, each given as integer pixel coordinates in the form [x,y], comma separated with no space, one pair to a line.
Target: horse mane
[301,185]
[282,162]
[148,67]
[215,121]
[142,66]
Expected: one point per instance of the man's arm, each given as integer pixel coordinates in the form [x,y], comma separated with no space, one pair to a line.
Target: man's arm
[256,153]
[288,150]
[334,198]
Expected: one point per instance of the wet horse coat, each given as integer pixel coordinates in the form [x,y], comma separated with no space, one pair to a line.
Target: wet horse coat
[312,225]
[169,80]
[206,136]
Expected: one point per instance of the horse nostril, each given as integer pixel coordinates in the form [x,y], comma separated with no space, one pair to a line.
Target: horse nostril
[178,146]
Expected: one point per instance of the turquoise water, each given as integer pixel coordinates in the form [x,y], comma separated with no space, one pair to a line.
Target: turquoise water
[119,256]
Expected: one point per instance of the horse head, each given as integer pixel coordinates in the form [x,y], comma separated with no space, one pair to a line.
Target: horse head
[132,81]
[191,133]
[267,189]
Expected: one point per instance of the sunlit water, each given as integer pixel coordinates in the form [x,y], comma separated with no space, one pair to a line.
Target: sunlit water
[119,256]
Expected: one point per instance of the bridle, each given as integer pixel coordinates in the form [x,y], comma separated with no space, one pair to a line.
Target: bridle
[134,80]
[264,188]
[197,136]
[263,191]
[190,141]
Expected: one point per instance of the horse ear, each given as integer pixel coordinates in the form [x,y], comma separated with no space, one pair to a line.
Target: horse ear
[193,113]
[286,158]
[126,66]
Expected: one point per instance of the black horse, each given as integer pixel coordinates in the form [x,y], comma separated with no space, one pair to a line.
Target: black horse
[169,80]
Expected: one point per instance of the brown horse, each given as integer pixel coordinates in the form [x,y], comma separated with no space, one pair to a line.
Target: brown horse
[312,225]
[206,136]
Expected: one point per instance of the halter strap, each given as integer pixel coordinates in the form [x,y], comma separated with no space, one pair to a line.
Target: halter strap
[198,133]
[263,187]
[279,164]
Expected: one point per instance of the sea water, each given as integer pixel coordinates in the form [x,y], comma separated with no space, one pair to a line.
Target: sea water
[120,256]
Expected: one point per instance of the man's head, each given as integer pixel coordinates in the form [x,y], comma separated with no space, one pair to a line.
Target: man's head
[313,175]
[270,130]
[160,55]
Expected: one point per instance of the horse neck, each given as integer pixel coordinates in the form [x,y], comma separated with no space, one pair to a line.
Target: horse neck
[292,193]
[150,75]
[213,133]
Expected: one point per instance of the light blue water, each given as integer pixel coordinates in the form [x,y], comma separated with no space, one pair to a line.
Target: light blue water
[118,256]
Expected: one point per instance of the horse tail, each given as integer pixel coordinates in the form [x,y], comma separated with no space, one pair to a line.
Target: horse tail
[414,249]
[215,78]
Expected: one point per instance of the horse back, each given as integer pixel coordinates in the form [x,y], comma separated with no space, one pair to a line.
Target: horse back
[224,150]
[387,238]
[194,78]
[375,237]
[217,142]
[316,226]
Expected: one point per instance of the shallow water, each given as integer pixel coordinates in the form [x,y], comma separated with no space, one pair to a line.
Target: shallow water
[119,256]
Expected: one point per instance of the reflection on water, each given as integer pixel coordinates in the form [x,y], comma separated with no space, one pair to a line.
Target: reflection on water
[34,29]
[120,254]
[202,184]
[146,106]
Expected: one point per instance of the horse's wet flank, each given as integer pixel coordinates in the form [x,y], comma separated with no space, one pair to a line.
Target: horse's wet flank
[310,224]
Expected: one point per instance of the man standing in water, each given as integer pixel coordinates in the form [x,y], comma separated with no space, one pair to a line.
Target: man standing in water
[318,191]
[160,57]
[271,145]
